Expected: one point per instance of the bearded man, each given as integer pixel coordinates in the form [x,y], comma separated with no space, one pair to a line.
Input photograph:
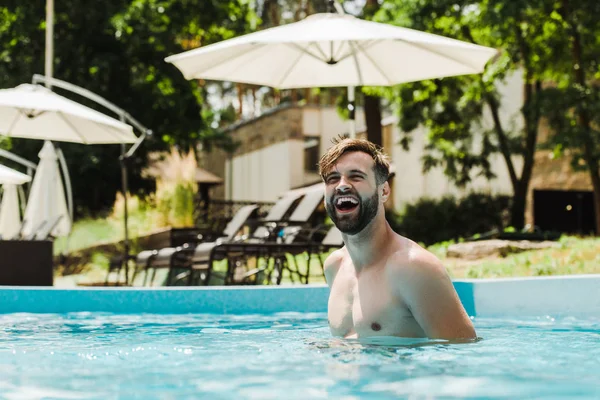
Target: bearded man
[381,283]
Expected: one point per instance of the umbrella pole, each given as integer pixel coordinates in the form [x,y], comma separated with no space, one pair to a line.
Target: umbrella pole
[352,109]
[49,61]
[65,170]
[124,184]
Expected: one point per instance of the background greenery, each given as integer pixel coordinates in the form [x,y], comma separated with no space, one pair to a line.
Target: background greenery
[431,221]
[118,51]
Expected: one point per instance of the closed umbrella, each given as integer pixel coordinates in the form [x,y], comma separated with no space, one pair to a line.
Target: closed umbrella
[10,216]
[46,205]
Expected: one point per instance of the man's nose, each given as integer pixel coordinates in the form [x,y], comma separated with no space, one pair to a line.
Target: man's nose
[342,186]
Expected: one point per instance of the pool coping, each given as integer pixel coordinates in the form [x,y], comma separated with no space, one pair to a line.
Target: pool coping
[572,295]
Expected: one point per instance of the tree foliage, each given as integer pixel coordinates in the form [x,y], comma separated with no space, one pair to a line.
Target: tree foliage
[118,51]
[572,104]
[452,109]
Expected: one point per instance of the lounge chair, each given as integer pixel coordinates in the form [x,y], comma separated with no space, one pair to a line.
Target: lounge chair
[273,231]
[153,259]
[272,259]
[175,257]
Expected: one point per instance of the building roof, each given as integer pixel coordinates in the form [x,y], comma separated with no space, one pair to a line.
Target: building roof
[206,177]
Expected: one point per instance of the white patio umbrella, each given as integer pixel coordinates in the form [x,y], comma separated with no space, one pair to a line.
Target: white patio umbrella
[35,112]
[331,50]
[10,176]
[10,216]
[47,204]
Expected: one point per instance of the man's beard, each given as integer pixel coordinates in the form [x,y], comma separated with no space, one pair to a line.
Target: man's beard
[351,225]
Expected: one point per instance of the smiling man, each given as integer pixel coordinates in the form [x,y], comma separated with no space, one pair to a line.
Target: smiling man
[381,284]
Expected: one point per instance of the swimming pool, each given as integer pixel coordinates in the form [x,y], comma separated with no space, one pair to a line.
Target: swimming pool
[274,343]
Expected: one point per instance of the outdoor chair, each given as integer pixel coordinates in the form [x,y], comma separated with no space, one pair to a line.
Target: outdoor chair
[331,239]
[153,259]
[266,263]
[176,257]
[273,232]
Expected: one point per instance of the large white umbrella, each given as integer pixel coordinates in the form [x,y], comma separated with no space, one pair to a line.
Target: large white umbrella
[46,205]
[327,50]
[36,112]
[10,216]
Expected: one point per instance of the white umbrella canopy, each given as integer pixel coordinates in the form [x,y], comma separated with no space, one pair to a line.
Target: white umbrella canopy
[331,50]
[10,176]
[46,203]
[10,216]
[35,112]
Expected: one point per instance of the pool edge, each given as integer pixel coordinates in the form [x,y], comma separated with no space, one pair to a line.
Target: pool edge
[577,295]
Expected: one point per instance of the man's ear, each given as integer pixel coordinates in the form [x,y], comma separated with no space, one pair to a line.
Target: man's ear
[385,191]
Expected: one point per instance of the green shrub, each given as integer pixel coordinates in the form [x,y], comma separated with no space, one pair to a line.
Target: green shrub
[431,221]
[176,189]
[175,203]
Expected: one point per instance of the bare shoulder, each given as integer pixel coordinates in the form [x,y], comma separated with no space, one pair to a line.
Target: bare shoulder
[419,278]
[332,264]
[412,260]
[334,260]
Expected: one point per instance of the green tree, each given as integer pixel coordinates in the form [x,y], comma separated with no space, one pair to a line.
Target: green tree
[118,51]
[573,102]
[451,109]
[372,101]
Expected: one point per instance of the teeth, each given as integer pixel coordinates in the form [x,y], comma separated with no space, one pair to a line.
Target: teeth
[350,199]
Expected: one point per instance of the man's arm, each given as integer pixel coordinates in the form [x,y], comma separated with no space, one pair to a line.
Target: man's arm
[424,285]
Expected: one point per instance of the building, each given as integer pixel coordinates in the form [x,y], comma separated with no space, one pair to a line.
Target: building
[279,151]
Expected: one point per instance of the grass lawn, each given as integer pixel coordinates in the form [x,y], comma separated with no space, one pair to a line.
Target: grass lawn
[572,255]
[86,233]
[90,232]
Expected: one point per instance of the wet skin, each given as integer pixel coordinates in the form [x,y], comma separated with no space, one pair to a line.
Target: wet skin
[382,284]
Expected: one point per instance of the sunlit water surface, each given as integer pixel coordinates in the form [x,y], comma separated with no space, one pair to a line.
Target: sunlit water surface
[286,356]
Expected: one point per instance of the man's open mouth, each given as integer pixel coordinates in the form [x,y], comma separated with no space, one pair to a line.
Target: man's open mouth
[346,204]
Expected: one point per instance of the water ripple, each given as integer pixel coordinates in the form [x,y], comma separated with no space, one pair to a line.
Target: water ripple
[291,355]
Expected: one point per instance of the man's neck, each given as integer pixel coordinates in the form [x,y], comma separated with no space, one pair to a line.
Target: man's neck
[368,246]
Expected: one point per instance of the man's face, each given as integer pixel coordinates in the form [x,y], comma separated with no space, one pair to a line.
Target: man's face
[351,195]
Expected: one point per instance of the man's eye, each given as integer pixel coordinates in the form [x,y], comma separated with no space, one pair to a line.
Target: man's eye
[356,177]
[332,179]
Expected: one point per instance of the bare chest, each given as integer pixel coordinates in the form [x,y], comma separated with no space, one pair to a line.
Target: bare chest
[365,306]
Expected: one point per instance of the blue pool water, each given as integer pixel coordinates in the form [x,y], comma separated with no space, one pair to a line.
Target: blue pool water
[286,356]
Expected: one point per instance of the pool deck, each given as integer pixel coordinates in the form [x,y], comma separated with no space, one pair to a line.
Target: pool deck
[574,295]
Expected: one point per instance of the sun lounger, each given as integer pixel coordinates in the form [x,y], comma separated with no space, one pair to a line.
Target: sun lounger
[274,231]
[152,259]
[174,258]
[265,263]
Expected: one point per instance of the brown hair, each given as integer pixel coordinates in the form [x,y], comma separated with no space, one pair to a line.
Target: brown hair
[343,145]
